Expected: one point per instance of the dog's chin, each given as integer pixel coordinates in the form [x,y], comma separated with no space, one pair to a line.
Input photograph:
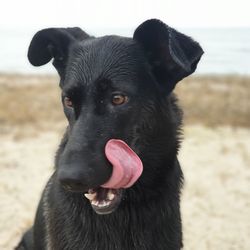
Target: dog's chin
[104,200]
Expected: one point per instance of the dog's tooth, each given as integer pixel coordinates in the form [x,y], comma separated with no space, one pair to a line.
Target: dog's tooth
[90,196]
[111,196]
[107,203]
[95,202]
[102,204]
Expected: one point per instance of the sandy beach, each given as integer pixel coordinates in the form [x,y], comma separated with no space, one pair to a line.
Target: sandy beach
[215,156]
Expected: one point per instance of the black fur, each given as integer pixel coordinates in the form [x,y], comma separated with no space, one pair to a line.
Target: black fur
[145,68]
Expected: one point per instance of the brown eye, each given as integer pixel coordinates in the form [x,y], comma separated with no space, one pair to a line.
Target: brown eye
[119,99]
[67,102]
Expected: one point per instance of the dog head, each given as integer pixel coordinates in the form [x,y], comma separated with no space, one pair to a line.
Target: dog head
[115,87]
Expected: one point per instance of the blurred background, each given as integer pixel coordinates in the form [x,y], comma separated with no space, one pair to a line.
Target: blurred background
[215,154]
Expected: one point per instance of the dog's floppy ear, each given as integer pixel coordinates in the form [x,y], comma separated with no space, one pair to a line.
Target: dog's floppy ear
[171,54]
[53,43]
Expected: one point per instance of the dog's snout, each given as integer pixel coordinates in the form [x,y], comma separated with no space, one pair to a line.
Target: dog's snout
[73,185]
[73,180]
[77,177]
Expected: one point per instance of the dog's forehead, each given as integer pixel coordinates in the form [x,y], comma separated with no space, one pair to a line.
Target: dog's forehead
[109,57]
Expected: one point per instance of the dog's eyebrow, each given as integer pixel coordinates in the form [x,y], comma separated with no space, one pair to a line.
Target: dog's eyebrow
[71,89]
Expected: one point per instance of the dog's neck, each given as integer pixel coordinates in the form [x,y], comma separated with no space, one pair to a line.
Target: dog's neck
[139,222]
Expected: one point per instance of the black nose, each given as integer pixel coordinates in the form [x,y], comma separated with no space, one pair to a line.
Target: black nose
[73,185]
[73,180]
[79,177]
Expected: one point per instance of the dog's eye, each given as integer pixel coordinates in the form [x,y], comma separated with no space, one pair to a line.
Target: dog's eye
[68,102]
[119,99]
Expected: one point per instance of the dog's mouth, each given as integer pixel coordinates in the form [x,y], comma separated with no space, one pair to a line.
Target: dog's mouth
[104,200]
[127,168]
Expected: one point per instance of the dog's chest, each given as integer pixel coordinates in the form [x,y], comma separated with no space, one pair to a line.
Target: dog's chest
[101,237]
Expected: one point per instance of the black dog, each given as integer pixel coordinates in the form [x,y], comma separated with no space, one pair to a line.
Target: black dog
[114,88]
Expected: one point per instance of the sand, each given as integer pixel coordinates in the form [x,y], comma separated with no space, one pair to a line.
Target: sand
[216,195]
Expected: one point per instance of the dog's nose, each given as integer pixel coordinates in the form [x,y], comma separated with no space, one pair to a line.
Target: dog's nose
[73,185]
[73,180]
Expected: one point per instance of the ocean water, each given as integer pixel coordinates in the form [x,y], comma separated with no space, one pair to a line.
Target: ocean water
[226,50]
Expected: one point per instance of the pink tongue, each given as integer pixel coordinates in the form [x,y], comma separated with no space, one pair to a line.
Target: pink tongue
[127,166]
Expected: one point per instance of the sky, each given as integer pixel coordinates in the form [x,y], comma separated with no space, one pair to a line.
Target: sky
[97,14]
